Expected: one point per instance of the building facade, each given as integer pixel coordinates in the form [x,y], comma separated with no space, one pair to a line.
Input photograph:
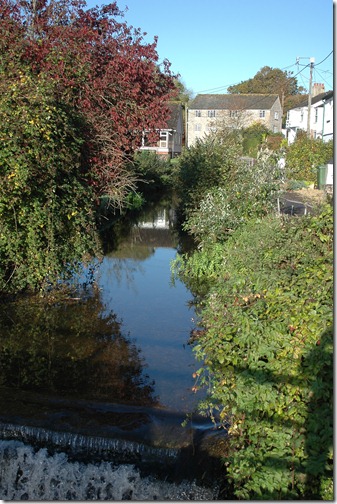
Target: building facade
[320,120]
[210,112]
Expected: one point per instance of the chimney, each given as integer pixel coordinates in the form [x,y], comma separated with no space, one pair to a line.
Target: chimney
[317,89]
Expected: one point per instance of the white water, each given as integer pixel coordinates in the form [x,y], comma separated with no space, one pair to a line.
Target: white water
[26,474]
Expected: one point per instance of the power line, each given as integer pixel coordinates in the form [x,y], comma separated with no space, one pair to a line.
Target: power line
[225,87]
[326,57]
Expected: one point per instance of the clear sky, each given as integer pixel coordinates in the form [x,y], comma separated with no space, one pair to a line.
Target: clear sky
[213,44]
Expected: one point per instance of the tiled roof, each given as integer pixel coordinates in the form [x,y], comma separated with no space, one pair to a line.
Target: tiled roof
[233,102]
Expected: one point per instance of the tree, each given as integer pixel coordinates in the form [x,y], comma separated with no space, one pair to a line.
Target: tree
[184,94]
[269,81]
[103,69]
[78,89]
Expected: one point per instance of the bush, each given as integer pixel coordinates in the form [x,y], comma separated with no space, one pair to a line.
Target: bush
[305,155]
[267,355]
[248,192]
[206,165]
[153,171]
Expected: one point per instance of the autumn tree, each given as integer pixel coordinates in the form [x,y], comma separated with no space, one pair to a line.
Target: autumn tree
[78,88]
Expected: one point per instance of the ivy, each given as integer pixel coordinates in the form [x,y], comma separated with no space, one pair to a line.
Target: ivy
[43,232]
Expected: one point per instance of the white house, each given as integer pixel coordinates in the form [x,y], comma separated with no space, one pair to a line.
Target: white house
[169,143]
[321,117]
[327,105]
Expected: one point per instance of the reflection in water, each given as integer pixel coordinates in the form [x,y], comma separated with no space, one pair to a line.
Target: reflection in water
[135,281]
[71,349]
[96,346]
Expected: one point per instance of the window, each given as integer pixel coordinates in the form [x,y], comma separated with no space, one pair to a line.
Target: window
[197,127]
[198,113]
[211,113]
[233,113]
[302,115]
[262,113]
[163,139]
[276,116]
[316,115]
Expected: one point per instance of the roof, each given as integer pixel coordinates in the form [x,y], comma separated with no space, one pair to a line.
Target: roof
[175,112]
[315,99]
[233,101]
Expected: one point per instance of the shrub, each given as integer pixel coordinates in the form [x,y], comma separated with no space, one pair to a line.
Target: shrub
[249,192]
[305,155]
[206,165]
[267,355]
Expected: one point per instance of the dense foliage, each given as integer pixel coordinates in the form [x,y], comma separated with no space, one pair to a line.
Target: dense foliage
[256,135]
[42,184]
[264,285]
[220,189]
[267,353]
[204,166]
[78,88]
[305,155]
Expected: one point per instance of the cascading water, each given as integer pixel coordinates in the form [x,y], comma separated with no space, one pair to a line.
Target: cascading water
[28,474]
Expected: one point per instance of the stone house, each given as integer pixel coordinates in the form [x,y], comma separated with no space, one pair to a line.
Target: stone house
[170,138]
[208,112]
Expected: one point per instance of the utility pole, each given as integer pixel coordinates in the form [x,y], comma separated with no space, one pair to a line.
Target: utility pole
[312,61]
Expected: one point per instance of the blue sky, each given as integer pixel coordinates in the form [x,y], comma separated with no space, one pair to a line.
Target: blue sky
[213,44]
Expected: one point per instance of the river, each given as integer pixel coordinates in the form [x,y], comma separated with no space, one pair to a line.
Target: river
[94,390]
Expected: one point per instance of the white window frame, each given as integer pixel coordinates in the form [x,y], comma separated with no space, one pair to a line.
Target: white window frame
[198,113]
[163,139]
[211,113]
[262,114]
[276,116]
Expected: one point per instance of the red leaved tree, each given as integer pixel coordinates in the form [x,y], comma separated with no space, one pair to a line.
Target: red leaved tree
[99,66]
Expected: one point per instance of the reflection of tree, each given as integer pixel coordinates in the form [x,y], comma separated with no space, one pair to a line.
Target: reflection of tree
[71,349]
